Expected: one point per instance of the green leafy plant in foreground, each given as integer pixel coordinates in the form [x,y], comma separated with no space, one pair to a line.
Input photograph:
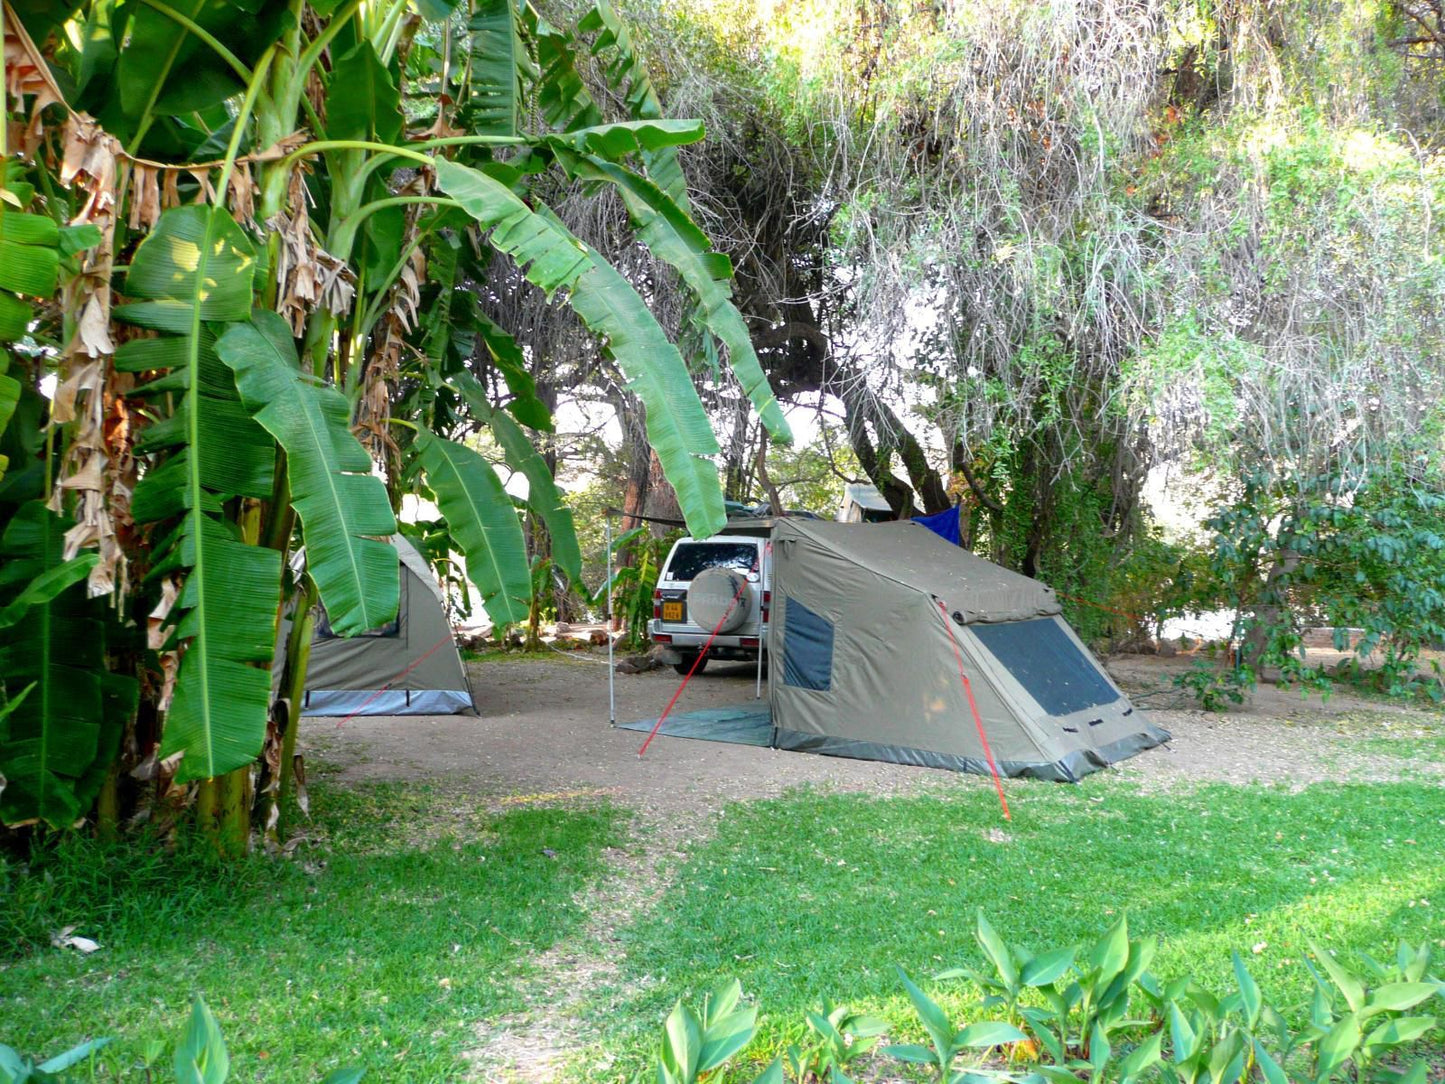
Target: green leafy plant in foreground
[838,1036]
[201,1058]
[948,1043]
[697,1043]
[1084,1021]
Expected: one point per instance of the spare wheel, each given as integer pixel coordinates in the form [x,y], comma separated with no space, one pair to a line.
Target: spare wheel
[711,597]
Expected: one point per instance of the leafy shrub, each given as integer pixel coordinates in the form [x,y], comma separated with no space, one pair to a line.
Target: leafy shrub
[1365,553]
[1096,1013]
[696,1043]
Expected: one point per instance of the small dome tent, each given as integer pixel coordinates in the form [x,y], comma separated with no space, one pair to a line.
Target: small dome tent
[875,626]
[409,666]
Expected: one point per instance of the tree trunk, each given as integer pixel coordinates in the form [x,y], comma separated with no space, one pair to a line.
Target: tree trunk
[1269,612]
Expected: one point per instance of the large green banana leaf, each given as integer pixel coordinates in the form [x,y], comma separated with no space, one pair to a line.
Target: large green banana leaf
[499,59]
[65,713]
[626,137]
[676,425]
[195,266]
[482,521]
[507,356]
[543,496]
[628,75]
[553,259]
[45,586]
[10,391]
[165,69]
[675,239]
[565,100]
[362,101]
[343,507]
[29,253]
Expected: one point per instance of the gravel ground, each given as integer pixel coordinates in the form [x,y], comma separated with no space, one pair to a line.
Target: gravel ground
[543,733]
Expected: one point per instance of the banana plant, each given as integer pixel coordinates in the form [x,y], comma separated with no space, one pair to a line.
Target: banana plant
[241,223]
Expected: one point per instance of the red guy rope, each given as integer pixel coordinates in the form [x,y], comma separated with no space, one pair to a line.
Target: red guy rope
[973,707]
[700,656]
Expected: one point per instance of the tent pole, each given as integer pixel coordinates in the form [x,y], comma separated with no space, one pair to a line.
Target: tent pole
[762,635]
[611,671]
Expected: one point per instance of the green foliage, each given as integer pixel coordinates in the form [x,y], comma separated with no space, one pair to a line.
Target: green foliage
[343,509]
[553,260]
[483,523]
[1369,556]
[200,1058]
[838,1036]
[196,268]
[697,1042]
[675,239]
[947,1044]
[634,583]
[1190,1036]
[64,712]
[192,467]
[543,496]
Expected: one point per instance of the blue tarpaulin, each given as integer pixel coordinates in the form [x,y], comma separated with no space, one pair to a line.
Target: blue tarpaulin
[944,524]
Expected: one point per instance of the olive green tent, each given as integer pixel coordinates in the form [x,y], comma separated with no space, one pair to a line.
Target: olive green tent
[409,666]
[874,628]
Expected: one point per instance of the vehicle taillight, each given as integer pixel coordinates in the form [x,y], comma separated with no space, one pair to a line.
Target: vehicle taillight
[767,603]
[657,604]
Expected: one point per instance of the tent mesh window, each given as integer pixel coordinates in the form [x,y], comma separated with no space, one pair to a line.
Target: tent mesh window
[1045,661]
[807,648]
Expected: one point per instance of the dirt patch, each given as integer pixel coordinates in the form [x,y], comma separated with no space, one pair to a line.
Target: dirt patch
[543,735]
[1278,737]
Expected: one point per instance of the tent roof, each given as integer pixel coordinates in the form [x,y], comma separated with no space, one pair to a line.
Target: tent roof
[412,558]
[912,555]
[866,496]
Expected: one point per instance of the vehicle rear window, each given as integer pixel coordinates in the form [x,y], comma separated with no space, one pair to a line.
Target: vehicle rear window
[691,558]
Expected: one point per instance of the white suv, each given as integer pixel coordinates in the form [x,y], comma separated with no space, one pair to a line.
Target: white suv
[716,583]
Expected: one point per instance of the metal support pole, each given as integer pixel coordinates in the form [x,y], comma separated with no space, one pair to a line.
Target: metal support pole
[762,633]
[611,670]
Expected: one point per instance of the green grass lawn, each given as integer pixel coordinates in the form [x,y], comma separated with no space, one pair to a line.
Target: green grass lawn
[413,916]
[816,895]
[384,945]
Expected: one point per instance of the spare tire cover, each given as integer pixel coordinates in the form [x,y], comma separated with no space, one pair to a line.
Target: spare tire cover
[711,595]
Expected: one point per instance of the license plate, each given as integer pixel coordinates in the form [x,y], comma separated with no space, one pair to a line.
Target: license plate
[672,611]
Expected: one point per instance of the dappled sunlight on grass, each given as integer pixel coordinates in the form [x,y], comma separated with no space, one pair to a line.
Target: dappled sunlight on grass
[824,894]
[384,944]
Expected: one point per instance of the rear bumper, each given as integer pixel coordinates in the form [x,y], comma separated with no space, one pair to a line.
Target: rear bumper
[677,644]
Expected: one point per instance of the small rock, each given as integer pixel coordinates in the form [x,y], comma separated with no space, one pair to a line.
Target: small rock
[637,664]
